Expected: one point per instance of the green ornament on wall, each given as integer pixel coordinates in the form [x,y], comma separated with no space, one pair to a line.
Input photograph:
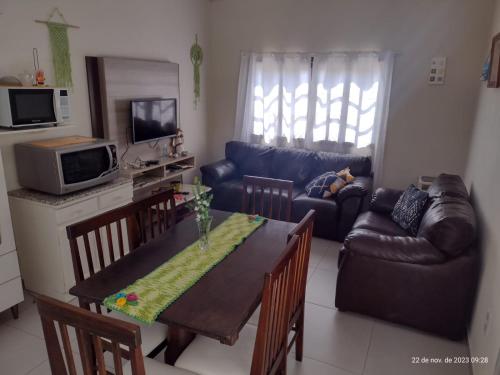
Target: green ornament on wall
[196,59]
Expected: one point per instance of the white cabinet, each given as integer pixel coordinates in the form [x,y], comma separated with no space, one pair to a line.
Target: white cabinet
[11,291]
[40,222]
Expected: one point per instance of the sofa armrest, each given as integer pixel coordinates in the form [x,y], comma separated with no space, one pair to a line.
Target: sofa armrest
[359,188]
[415,250]
[384,200]
[215,173]
[352,200]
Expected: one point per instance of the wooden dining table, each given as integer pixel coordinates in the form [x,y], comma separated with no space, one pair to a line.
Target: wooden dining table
[220,303]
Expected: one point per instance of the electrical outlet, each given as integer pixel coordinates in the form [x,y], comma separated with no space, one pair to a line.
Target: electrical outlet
[487,321]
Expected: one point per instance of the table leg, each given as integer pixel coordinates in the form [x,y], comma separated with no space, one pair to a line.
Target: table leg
[178,340]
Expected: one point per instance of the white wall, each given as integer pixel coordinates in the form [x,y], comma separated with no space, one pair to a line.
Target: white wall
[429,127]
[148,29]
[483,177]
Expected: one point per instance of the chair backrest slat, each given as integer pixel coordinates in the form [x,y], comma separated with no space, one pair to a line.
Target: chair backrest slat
[63,329]
[100,253]
[304,231]
[117,358]
[91,331]
[120,237]
[270,350]
[101,367]
[109,237]
[88,253]
[259,195]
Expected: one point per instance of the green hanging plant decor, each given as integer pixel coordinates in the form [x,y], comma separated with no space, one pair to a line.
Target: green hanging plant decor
[196,59]
[58,35]
[60,54]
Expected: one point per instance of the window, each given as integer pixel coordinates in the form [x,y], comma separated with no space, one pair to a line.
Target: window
[302,99]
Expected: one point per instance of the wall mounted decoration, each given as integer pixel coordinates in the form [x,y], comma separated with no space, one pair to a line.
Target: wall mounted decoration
[196,59]
[494,77]
[58,34]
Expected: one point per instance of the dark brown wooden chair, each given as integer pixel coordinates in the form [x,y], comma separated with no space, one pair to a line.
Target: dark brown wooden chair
[267,197]
[93,331]
[97,242]
[304,231]
[100,240]
[268,339]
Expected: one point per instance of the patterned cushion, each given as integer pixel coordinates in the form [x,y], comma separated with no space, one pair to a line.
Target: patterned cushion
[409,209]
[324,186]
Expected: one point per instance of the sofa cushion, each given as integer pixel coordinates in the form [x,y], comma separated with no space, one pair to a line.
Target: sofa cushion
[409,209]
[450,185]
[292,164]
[449,224]
[328,161]
[325,221]
[250,159]
[378,223]
[324,186]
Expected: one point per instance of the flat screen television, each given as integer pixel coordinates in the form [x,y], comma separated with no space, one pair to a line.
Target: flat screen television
[153,119]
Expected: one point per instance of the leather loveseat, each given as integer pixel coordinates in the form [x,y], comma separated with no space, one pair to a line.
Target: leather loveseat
[334,217]
[427,281]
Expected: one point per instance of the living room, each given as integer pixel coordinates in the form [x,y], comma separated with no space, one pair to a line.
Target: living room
[410,91]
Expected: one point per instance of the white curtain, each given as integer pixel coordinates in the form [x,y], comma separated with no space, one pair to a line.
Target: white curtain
[338,97]
[273,97]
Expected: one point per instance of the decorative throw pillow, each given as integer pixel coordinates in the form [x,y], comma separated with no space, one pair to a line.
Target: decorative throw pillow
[409,209]
[324,186]
[346,175]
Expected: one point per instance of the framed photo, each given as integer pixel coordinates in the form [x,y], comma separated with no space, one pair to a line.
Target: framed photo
[494,78]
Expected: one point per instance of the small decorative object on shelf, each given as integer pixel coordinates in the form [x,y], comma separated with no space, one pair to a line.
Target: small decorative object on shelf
[200,205]
[39,73]
[176,144]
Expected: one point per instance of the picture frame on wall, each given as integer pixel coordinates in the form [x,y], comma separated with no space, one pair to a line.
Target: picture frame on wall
[494,76]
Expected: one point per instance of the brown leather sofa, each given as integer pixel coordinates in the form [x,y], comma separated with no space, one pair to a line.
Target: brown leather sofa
[427,282]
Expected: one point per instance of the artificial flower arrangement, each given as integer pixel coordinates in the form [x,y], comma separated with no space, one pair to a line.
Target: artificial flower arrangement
[200,205]
[122,299]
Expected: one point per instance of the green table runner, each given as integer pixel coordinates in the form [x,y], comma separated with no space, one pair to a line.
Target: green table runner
[146,298]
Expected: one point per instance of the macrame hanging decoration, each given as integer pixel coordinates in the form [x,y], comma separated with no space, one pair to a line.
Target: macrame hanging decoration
[58,34]
[196,59]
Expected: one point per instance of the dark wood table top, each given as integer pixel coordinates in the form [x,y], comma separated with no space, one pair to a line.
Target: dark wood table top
[220,303]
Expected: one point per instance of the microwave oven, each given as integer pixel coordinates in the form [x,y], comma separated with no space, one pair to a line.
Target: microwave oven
[64,165]
[32,106]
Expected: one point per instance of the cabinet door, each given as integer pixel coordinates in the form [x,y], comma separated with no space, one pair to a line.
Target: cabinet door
[6,234]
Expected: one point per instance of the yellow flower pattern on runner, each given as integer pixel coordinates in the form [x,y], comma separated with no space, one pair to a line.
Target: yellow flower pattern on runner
[163,286]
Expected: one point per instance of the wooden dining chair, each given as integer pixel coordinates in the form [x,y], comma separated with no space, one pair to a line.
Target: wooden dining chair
[304,231]
[268,340]
[267,197]
[97,242]
[92,332]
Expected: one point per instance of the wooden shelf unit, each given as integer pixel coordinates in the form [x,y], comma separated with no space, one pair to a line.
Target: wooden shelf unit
[146,179]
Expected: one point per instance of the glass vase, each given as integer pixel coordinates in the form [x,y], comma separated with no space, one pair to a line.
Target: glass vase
[203,230]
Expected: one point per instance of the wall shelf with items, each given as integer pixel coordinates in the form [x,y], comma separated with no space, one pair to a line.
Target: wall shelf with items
[146,179]
[6,131]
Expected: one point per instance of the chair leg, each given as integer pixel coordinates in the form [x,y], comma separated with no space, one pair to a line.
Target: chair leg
[15,311]
[299,342]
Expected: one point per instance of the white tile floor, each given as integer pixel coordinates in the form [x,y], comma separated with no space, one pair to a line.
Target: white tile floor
[335,343]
